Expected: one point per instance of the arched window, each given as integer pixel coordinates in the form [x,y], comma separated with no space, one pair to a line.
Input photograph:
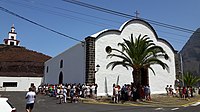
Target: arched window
[60,81]
[61,63]
[47,69]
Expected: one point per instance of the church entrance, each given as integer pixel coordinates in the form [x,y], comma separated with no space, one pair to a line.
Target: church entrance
[60,78]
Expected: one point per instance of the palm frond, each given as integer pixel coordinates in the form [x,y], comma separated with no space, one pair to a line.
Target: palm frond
[189,79]
[113,64]
[153,61]
[152,70]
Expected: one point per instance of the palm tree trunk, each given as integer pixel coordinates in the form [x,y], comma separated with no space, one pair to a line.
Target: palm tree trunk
[144,77]
[137,81]
[136,77]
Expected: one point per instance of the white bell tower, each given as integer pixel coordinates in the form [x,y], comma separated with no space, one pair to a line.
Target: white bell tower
[12,40]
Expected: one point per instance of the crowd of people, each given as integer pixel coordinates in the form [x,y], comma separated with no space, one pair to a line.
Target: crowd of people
[71,92]
[184,92]
[129,92]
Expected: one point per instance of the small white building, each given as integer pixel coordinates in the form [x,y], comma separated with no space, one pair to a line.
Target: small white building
[18,83]
[86,62]
[12,38]
[19,67]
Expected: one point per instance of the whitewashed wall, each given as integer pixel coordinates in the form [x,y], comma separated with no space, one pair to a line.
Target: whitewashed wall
[105,78]
[73,66]
[23,83]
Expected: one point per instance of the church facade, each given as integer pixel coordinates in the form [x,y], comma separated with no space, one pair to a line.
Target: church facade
[86,62]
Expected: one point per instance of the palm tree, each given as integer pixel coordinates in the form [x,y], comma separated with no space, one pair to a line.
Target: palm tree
[138,54]
[190,80]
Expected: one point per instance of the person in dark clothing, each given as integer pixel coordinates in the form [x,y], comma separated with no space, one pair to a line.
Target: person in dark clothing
[134,94]
[123,94]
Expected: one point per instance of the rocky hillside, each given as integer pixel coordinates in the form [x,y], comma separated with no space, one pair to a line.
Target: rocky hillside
[191,54]
[21,62]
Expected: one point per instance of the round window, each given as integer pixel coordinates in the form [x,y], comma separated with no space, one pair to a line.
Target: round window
[166,57]
[108,49]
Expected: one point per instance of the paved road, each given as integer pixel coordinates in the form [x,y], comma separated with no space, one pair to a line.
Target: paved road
[49,104]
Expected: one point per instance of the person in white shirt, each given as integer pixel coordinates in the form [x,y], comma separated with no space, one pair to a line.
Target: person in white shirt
[30,96]
[65,94]
[116,97]
[93,91]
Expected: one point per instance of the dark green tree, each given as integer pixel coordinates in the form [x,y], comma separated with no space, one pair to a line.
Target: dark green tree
[189,79]
[139,54]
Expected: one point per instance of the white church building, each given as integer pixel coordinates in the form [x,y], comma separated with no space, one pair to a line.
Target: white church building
[86,62]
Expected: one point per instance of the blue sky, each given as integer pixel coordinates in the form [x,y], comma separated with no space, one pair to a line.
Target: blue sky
[80,22]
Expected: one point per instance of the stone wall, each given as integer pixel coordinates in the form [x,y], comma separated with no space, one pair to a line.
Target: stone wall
[90,61]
